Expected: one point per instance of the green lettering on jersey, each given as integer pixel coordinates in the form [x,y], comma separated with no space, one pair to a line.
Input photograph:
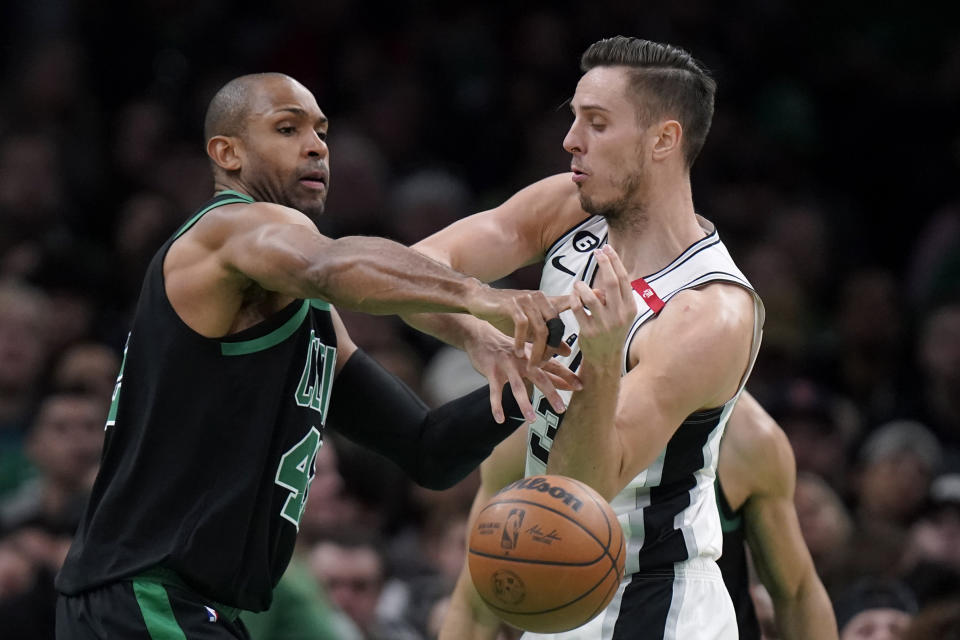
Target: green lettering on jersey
[295,473]
[115,398]
[317,377]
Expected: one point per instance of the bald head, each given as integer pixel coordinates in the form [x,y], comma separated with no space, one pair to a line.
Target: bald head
[230,108]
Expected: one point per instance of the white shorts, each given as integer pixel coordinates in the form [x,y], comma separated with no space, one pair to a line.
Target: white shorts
[689,602]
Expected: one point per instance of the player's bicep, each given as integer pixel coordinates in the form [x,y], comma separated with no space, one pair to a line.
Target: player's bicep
[280,256]
[494,243]
[487,245]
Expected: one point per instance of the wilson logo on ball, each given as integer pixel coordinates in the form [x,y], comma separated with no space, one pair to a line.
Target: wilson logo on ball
[539,483]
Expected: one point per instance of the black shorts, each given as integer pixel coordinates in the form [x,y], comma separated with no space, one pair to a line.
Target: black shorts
[144,609]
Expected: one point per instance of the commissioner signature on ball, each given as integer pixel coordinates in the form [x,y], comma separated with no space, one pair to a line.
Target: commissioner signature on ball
[539,536]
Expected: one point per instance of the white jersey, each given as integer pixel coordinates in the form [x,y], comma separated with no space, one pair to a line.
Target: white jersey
[668,511]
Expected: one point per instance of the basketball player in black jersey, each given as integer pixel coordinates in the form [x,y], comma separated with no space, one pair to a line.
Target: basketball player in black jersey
[227,382]
[756,478]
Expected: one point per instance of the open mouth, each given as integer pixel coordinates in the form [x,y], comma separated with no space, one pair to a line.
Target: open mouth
[314,180]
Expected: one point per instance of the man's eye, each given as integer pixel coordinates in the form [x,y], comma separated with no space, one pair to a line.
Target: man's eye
[322,135]
[286,130]
[598,126]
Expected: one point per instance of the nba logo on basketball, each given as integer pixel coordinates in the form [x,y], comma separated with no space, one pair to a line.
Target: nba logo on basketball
[511,528]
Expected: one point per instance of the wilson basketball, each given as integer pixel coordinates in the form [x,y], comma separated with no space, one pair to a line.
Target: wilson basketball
[546,553]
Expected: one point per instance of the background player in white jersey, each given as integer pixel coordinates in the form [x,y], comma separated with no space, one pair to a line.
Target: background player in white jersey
[661,364]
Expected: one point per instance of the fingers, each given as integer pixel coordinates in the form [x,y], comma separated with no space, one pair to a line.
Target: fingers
[543,382]
[521,325]
[519,390]
[562,377]
[496,404]
[623,278]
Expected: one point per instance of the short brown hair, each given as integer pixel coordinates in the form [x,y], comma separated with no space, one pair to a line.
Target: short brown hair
[668,81]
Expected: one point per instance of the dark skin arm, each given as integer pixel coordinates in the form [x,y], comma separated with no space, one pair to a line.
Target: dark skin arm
[242,262]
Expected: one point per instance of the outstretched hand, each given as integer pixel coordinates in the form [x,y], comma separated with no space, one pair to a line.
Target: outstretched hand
[494,355]
[525,315]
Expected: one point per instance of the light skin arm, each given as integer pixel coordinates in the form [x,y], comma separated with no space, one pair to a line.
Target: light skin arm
[467,617]
[759,460]
[490,245]
[691,357]
[211,269]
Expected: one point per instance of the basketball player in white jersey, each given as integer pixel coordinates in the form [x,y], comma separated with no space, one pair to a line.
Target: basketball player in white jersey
[663,353]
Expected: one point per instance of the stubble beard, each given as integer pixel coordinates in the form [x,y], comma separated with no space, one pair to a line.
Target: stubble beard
[624,208]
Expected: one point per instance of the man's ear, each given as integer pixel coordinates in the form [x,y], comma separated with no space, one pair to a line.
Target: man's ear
[225,152]
[668,141]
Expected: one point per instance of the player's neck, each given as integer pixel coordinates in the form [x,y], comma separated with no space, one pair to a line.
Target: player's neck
[668,225]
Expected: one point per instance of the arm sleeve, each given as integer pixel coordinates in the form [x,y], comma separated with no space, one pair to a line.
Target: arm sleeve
[436,447]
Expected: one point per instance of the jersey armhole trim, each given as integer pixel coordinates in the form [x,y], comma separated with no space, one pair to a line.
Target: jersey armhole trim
[273,338]
[238,198]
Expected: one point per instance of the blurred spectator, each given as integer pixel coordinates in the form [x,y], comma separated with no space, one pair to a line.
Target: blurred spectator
[87,367]
[300,611]
[329,505]
[24,313]
[931,561]
[875,610]
[64,444]
[32,194]
[869,325]
[353,571]
[144,222]
[896,465]
[939,382]
[426,202]
[819,425]
[825,523]
[940,621]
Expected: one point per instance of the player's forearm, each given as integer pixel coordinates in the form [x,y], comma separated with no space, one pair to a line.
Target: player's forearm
[375,275]
[457,330]
[808,614]
[436,447]
[467,618]
[586,446]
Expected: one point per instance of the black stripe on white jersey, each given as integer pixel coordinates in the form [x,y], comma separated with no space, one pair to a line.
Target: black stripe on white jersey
[683,458]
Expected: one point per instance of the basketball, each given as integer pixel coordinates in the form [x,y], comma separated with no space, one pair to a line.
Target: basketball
[546,553]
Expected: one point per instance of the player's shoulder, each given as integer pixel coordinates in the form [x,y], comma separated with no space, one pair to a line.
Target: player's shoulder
[703,315]
[221,224]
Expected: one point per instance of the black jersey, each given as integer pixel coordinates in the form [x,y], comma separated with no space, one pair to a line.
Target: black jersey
[733,566]
[210,448]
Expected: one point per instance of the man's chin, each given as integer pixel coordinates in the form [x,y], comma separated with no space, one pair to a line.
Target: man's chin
[311,208]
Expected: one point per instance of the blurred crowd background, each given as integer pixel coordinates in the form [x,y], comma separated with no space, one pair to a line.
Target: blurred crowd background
[831,172]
